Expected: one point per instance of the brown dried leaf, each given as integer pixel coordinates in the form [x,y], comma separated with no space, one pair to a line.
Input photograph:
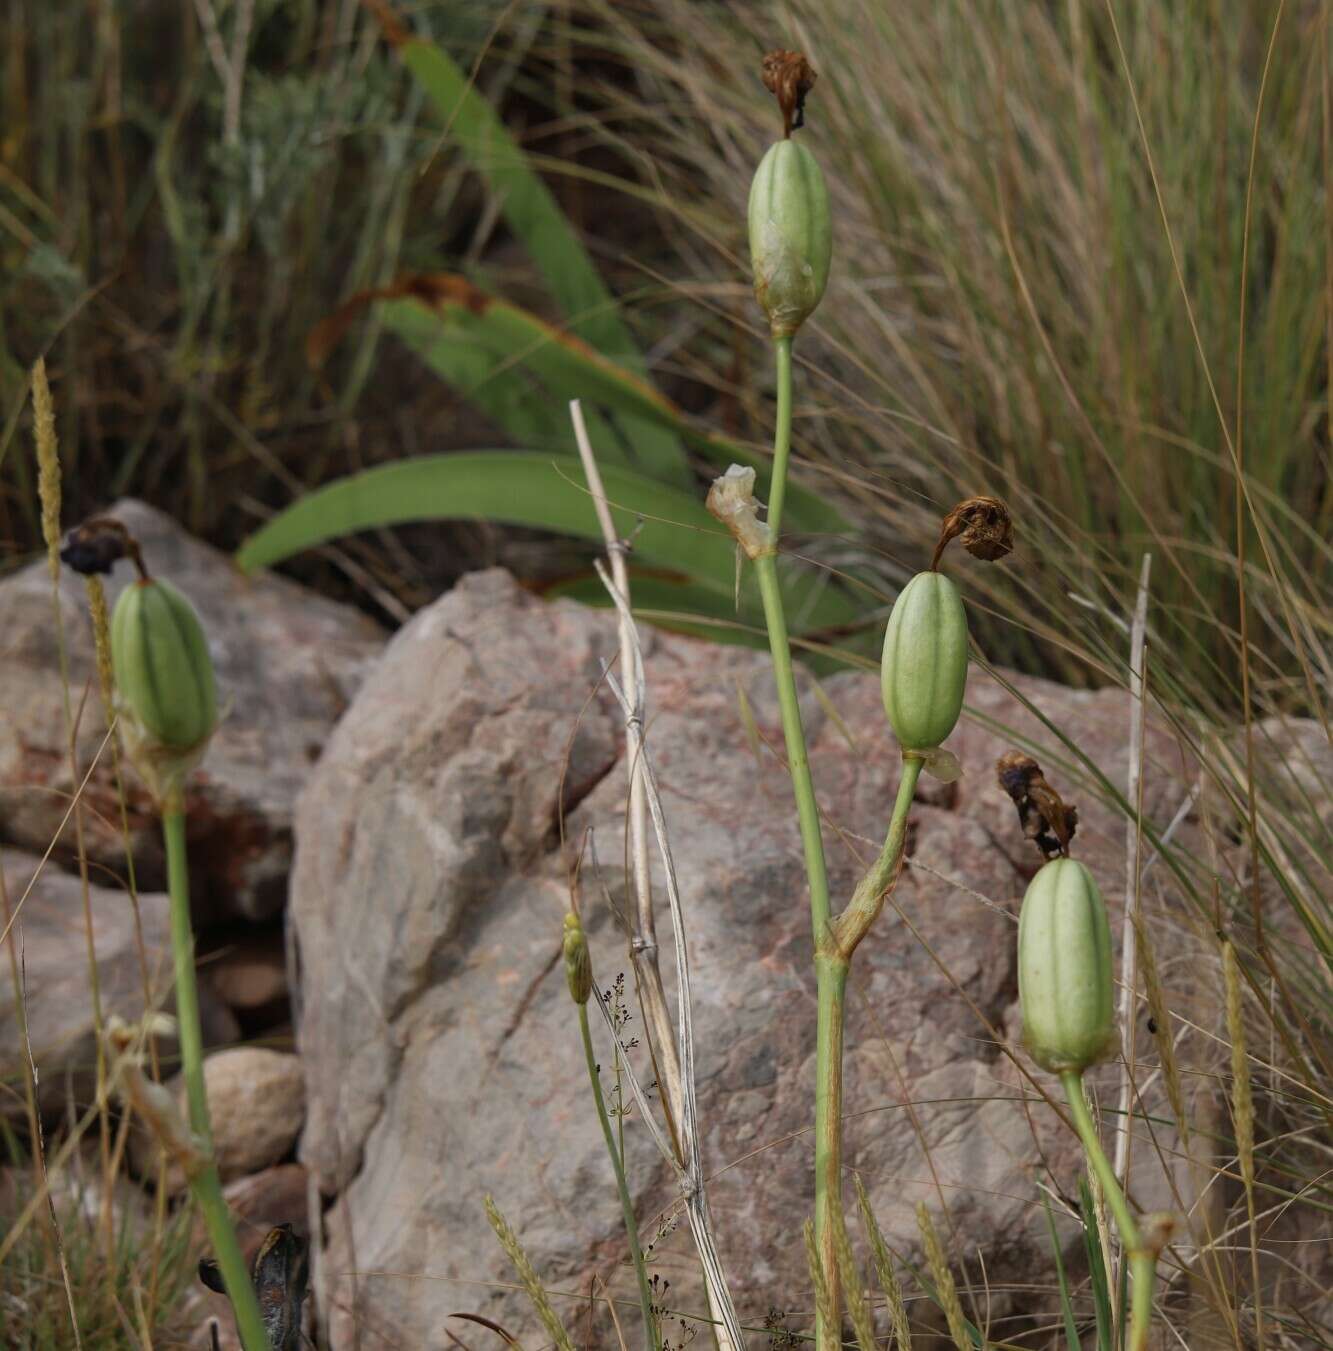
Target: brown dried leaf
[1045,818]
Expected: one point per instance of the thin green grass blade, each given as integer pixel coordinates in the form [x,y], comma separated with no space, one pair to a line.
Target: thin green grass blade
[1066,1303]
[518,487]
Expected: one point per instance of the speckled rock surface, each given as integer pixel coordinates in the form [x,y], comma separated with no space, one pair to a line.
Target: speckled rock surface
[441,1050]
[287,660]
[52,940]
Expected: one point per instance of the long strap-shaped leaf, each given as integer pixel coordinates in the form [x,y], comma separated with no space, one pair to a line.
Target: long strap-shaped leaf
[518,487]
[484,345]
[671,530]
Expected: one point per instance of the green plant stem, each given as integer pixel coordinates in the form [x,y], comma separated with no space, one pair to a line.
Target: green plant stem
[798,759]
[831,984]
[206,1185]
[651,1338]
[1142,1260]
[830,962]
[868,898]
[777,489]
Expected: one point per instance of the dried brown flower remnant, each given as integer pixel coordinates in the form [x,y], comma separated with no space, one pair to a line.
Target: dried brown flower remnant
[985,527]
[95,545]
[1045,819]
[789,78]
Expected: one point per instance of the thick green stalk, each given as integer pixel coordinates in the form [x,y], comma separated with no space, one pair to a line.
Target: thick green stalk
[831,984]
[206,1185]
[1142,1260]
[798,759]
[651,1338]
[834,939]
[830,964]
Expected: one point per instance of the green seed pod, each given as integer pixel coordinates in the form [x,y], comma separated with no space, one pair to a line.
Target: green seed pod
[791,235]
[1065,984]
[924,669]
[163,670]
[578,964]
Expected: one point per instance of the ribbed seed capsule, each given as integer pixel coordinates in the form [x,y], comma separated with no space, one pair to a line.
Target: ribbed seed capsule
[578,964]
[924,668]
[1065,983]
[163,669]
[791,235]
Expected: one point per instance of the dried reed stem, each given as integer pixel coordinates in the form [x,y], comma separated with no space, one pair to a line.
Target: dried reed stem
[1133,854]
[1242,1115]
[684,1153]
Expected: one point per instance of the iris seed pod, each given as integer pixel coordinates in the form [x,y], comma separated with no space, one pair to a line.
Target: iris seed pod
[791,235]
[924,668]
[578,964]
[1065,983]
[163,670]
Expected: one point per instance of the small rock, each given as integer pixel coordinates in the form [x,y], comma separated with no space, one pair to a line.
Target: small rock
[256,1101]
[250,974]
[51,941]
[278,1195]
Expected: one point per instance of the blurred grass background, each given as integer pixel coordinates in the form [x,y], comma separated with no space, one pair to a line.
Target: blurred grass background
[187,190]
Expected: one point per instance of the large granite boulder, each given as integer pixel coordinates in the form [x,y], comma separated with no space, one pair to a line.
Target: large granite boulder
[288,661]
[435,842]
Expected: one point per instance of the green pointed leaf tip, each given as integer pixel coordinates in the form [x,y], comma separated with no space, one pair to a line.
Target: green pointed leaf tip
[162,665]
[1065,977]
[924,669]
[791,235]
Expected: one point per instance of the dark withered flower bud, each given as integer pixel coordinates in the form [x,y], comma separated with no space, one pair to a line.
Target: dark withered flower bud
[983,525]
[97,545]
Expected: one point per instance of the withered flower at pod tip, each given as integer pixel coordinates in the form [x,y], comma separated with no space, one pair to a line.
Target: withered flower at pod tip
[1045,818]
[984,526]
[96,545]
[789,78]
